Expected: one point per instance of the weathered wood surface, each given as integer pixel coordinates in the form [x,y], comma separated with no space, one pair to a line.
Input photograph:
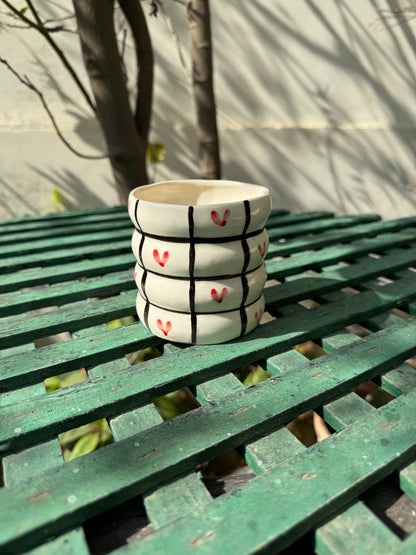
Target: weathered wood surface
[323,491]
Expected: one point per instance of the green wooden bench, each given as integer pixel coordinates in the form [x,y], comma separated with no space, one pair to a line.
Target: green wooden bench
[341,288]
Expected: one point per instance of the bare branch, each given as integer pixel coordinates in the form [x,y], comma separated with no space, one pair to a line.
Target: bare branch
[55,29]
[55,19]
[45,33]
[26,81]
[154,8]
[175,39]
[49,29]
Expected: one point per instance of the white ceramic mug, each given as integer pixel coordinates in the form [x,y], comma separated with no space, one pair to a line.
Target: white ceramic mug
[200,247]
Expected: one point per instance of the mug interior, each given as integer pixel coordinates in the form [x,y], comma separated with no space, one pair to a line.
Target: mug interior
[199,192]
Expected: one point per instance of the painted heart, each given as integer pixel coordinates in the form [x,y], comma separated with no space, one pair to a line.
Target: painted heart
[258,315]
[135,274]
[262,249]
[164,328]
[220,221]
[218,297]
[160,260]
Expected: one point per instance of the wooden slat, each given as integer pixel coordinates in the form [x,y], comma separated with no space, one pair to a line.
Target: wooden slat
[400,380]
[173,500]
[25,465]
[276,220]
[316,482]
[99,347]
[66,292]
[12,237]
[71,253]
[268,452]
[322,322]
[45,245]
[246,415]
[64,272]
[196,366]
[71,543]
[298,489]
[16,330]
[22,466]
[317,226]
[396,382]
[407,547]
[345,411]
[341,235]
[29,238]
[363,270]
[47,219]
[408,480]
[290,292]
[100,398]
[170,502]
[357,530]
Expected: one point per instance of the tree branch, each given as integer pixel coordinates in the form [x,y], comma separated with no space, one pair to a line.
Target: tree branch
[144,53]
[175,39]
[26,81]
[39,26]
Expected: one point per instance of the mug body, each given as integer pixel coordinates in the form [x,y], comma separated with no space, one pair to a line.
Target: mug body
[200,247]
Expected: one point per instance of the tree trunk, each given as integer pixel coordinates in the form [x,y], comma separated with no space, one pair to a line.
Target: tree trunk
[126,147]
[203,87]
[144,53]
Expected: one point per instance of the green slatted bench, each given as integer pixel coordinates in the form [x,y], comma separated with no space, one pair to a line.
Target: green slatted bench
[340,298]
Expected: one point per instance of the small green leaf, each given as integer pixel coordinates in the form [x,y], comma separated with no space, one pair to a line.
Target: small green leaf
[175,403]
[73,377]
[72,436]
[141,356]
[23,10]
[250,374]
[167,406]
[85,445]
[156,152]
[106,436]
[120,322]
[52,383]
[58,200]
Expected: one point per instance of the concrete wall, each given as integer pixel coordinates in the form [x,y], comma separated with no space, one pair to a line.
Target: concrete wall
[316,100]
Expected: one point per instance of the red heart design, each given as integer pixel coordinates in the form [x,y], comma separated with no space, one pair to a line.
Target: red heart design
[258,315]
[135,274]
[216,297]
[165,329]
[220,221]
[262,249]
[161,261]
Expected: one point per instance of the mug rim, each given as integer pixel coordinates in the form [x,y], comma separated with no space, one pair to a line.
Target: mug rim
[257,192]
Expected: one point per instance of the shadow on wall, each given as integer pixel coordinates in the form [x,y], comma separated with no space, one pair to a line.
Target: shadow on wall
[73,191]
[318,105]
[327,109]
[9,197]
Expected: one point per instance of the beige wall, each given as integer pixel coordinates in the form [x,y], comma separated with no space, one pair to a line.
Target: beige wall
[316,100]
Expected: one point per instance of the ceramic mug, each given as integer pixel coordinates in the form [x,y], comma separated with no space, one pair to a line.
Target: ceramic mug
[200,246]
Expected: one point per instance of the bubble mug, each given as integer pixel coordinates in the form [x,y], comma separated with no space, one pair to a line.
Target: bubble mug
[200,248]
